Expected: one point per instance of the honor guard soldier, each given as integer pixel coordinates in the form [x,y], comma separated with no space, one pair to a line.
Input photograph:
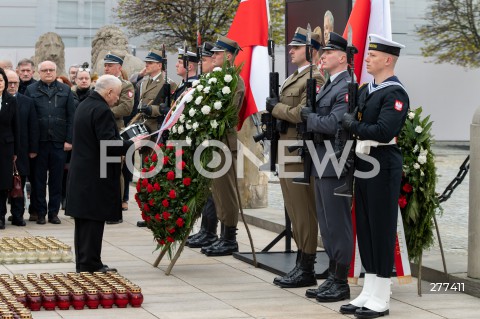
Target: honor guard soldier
[208,229]
[113,66]
[299,199]
[382,109]
[333,212]
[188,76]
[224,188]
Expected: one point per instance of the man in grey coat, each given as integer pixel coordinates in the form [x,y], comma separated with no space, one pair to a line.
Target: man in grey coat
[333,212]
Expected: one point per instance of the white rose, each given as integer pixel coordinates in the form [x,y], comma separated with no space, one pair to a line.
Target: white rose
[422,159]
[217,105]
[206,109]
[174,129]
[206,90]
[226,90]
[419,129]
[192,112]
[200,88]
[212,80]
[182,118]
[214,124]
[195,83]
[208,75]
[227,78]
[198,100]
[195,126]
[423,152]
[188,126]
[411,115]
[189,98]
[422,173]
[416,166]
[217,69]
[415,148]
[180,129]
[188,140]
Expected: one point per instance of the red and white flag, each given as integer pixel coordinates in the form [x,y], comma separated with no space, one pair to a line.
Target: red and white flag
[250,29]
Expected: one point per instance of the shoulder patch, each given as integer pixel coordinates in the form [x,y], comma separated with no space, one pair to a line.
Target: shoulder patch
[346,97]
[398,105]
[130,94]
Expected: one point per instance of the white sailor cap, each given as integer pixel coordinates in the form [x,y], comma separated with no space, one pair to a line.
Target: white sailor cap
[379,43]
[191,56]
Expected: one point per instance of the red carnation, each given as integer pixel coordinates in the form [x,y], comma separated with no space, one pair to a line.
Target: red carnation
[145,160]
[144,217]
[151,202]
[180,222]
[137,198]
[185,208]
[144,170]
[170,147]
[187,181]
[149,188]
[171,230]
[170,176]
[172,194]
[179,152]
[165,160]
[144,182]
[407,188]
[166,215]
[154,157]
[139,186]
[156,186]
[148,219]
[402,201]
[146,207]
[157,217]
[161,241]
[170,239]
[165,203]
[181,165]
[151,168]
[161,145]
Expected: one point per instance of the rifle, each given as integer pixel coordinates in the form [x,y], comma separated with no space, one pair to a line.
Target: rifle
[342,135]
[185,62]
[166,87]
[269,123]
[199,53]
[302,127]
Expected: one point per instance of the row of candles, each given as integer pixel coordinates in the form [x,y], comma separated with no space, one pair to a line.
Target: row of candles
[32,250]
[62,291]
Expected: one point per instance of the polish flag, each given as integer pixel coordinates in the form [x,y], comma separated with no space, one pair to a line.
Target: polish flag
[368,16]
[250,29]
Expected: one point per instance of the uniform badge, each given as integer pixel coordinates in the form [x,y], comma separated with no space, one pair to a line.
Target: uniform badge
[318,88]
[398,105]
[130,94]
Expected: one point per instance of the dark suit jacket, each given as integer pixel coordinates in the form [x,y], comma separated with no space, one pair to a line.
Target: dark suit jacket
[88,195]
[28,132]
[9,139]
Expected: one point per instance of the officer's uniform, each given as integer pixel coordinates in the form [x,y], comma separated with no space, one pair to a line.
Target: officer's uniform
[224,188]
[333,212]
[299,199]
[383,108]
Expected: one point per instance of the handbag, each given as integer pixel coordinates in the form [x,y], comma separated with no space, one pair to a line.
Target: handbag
[17,191]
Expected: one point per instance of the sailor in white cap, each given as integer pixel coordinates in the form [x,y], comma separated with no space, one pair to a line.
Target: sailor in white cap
[382,109]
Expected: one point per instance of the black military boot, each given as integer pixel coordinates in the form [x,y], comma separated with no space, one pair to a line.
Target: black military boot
[209,235]
[304,276]
[227,246]
[217,242]
[339,290]
[313,292]
[200,233]
[277,279]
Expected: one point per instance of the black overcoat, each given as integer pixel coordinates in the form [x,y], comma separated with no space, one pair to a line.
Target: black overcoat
[9,139]
[90,196]
[28,132]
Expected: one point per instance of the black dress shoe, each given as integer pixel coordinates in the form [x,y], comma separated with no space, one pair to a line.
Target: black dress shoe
[201,241]
[313,292]
[19,222]
[348,309]
[105,269]
[41,220]
[54,220]
[340,290]
[365,313]
[142,223]
[224,248]
[113,222]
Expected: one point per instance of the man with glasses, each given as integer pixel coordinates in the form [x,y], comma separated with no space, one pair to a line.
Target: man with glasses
[55,106]
[25,70]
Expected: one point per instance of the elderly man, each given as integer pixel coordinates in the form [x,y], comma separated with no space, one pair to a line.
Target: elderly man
[91,198]
[25,70]
[55,106]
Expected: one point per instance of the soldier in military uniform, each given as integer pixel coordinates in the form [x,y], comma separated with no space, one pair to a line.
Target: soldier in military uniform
[188,76]
[113,66]
[382,109]
[224,188]
[299,199]
[333,212]
[207,60]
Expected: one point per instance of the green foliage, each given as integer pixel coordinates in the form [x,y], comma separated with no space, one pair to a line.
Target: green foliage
[277,21]
[451,34]
[418,200]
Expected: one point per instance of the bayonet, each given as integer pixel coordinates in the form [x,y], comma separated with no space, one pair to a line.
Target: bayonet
[185,60]
[199,52]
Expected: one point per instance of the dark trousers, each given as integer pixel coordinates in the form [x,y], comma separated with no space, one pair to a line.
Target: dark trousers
[127,178]
[32,208]
[18,204]
[50,160]
[376,208]
[209,212]
[3,204]
[88,244]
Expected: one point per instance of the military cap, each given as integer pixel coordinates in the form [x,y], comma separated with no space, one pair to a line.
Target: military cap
[192,57]
[379,43]
[113,58]
[226,44]
[153,56]
[316,41]
[207,49]
[299,38]
[336,42]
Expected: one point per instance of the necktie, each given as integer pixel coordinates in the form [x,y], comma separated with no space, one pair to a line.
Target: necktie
[150,80]
[327,83]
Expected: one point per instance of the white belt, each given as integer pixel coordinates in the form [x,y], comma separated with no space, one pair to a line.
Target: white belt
[363,147]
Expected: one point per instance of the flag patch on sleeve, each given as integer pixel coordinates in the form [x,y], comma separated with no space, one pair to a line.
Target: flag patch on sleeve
[398,105]
[130,94]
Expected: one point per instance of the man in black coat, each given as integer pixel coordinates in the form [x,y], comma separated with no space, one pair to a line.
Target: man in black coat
[92,198]
[28,125]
